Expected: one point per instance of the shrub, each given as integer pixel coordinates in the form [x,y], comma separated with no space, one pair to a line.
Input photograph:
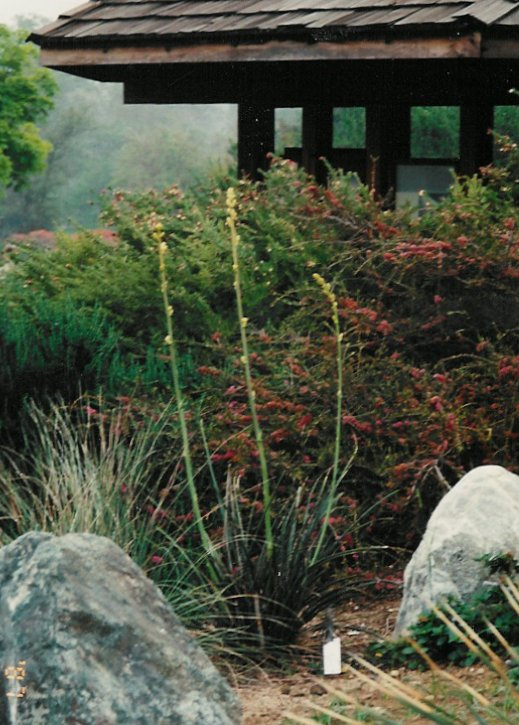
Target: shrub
[53,349]
[430,372]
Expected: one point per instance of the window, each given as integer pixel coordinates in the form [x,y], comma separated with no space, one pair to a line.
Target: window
[288,129]
[349,128]
[435,132]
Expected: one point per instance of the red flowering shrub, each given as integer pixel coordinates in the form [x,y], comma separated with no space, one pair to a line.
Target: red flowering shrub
[430,318]
[429,313]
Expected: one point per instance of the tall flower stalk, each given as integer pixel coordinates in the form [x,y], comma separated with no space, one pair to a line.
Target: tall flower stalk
[232,218]
[169,340]
[332,299]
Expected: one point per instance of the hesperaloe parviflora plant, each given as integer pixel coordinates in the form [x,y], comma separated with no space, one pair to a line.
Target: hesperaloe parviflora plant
[232,217]
[332,299]
[169,340]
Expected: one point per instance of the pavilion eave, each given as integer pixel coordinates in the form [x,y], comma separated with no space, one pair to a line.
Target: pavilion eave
[468,46]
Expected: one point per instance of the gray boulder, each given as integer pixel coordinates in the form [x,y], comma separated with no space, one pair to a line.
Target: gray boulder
[478,516]
[87,639]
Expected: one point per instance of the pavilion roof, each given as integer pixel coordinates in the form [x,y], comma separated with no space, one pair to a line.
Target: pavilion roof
[201,21]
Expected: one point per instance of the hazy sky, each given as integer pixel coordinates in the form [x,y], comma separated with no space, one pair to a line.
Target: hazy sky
[50,9]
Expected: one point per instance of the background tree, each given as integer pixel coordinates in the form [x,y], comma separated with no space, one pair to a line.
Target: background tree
[98,142]
[26,92]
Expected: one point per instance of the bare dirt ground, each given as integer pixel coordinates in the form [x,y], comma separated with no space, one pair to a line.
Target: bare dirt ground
[266,696]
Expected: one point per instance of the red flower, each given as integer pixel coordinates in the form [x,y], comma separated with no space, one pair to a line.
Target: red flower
[303,422]
[436,403]
[384,327]
[227,456]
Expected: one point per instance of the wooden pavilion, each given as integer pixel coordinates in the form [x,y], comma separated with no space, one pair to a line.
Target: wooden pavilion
[384,55]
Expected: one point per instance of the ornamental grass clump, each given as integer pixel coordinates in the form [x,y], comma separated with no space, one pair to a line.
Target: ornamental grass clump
[82,472]
[79,473]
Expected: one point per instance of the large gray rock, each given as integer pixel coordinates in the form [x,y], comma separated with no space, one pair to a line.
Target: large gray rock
[94,642]
[478,516]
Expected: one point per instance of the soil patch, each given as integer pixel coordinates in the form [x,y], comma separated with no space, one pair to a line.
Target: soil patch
[266,695]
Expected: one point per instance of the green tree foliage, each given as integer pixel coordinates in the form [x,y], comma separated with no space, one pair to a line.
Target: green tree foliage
[349,128]
[26,92]
[101,143]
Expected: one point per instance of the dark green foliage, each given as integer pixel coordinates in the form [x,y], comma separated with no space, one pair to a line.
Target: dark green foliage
[349,128]
[488,604]
[269,598]
[53,349]
[60,349]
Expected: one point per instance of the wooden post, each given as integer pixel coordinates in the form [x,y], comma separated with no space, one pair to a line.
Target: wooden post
[476,143]
[388,142]
[255,139]
[317,139]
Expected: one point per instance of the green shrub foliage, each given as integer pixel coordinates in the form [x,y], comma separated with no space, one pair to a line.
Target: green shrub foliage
[436,639]
[429,314]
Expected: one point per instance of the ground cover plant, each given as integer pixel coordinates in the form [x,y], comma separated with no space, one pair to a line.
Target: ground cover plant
[488,607]
[448,699]
[359,378]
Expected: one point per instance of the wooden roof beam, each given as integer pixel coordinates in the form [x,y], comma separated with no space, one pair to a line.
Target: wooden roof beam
[468,46]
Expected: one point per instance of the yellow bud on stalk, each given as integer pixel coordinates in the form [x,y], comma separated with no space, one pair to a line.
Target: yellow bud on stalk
[162,248]
[232,219]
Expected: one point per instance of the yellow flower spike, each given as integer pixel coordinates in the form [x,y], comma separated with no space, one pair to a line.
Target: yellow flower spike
[232,219]
[232,215]
[158,236]
[330,296]
[326,288]
[339,336]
